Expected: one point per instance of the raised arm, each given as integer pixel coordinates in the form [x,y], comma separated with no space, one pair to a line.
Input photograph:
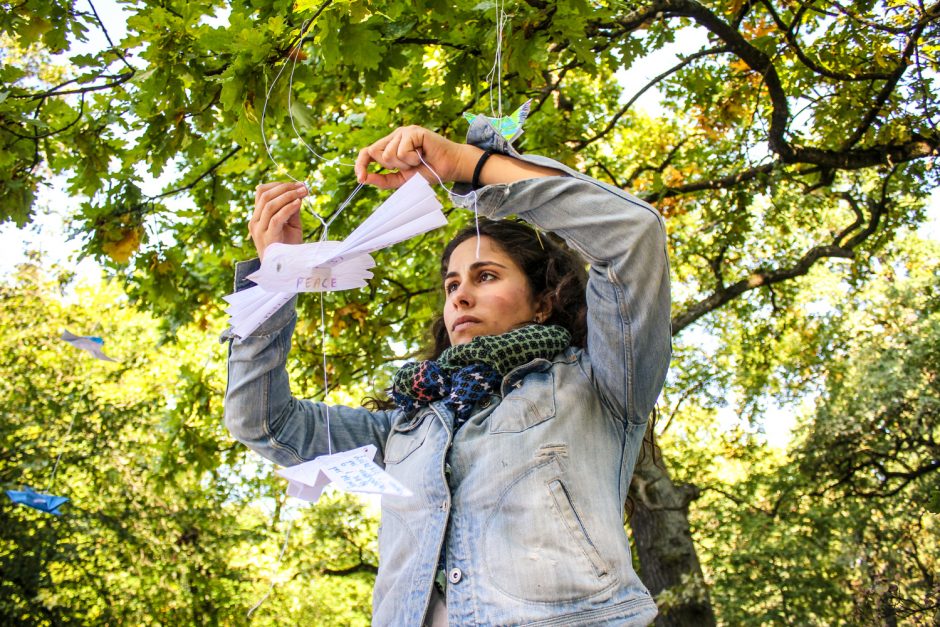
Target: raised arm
[260,410]
[411,149]
[622,237]
[628,298]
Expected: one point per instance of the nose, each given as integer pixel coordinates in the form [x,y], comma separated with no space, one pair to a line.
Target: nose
[462,296]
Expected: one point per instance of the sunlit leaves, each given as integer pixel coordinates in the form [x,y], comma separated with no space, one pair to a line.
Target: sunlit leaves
[168,518]
[181,98]
[846,517]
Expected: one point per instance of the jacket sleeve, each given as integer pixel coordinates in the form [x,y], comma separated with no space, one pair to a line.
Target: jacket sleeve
[624,241]
[261,412]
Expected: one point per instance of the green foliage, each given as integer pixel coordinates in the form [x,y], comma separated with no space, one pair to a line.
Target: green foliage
[165,523]
[841,528]
[886,439]
[794,144]
[184,94]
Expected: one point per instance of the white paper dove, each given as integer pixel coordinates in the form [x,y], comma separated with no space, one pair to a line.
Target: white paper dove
[332,266]
[92,344]
[353,471]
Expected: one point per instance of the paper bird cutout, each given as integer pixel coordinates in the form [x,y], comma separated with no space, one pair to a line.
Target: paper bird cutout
[509,126]
[353,471]
[331,266]
[43,502]
[88,343]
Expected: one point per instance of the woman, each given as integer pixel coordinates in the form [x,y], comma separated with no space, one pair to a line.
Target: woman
[519,440]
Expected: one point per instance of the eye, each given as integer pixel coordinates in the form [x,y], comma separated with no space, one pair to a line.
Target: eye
[486,275]
[450,287]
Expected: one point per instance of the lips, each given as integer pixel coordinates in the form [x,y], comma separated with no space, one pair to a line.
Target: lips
[463,320]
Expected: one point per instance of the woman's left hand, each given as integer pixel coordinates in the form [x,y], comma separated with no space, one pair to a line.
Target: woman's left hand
[404,149]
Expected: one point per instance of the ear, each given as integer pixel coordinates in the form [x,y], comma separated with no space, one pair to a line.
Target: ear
[543,309]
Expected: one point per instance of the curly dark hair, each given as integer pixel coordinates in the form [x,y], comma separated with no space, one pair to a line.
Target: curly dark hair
[556,274]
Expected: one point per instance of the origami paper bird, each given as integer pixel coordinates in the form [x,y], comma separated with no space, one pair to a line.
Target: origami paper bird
[353,471]
[509,126]
[43,502]
[88,343]
[332,266]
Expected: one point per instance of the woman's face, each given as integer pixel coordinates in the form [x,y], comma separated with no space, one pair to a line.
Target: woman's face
[488,295]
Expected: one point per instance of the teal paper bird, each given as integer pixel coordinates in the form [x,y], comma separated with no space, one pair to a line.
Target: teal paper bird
[509,126]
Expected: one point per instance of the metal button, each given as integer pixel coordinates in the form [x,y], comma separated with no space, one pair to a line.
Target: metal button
[454,576]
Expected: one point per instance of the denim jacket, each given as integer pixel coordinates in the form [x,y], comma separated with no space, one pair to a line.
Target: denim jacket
[525,501]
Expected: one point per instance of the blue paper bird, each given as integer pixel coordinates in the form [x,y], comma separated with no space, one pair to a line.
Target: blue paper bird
[43,502]
[509,126]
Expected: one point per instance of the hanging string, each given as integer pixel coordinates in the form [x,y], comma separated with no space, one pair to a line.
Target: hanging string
[326,223]
[323,222]
[326,381]
[264,138]
[55,466]
[277,567]
[326,389]
[496,71]
[290,112]
[472,195]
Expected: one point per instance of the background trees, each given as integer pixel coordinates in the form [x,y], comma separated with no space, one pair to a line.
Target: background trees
[796,142]
[167,523]
[842,527]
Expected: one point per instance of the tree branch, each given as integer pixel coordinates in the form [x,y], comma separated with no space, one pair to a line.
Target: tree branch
[661,167]
[104,30]
[789,35]
[81,111]
[875,109]
[757,279]
[231,153]
[613,179]
[877,210]
[918,146]
[613,121]
[427,41]
[740,502]
[725,182]
[929,14]
[119,79]
[361,567]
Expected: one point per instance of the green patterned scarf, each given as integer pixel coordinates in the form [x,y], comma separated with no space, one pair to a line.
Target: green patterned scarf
[466,373]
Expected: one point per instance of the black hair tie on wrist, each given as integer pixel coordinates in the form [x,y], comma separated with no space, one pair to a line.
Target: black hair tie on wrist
[475,181]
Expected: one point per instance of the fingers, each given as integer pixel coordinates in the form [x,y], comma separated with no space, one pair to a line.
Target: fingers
[276,217]
[401,152]
[406,149]
[270,197]
[388,180]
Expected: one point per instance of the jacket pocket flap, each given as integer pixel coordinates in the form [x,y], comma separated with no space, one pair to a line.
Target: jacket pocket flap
[532,403]
[407,435]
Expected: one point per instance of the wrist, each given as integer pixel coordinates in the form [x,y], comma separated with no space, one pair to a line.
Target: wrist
[476,180]
[467,163]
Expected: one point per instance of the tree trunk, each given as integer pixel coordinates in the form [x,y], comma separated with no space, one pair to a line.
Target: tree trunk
[668,561]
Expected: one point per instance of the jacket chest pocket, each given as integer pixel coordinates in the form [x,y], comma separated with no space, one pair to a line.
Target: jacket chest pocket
[407,435]
[528,405]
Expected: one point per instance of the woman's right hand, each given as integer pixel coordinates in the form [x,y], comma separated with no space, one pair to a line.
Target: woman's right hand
[277,215]
[409,150]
